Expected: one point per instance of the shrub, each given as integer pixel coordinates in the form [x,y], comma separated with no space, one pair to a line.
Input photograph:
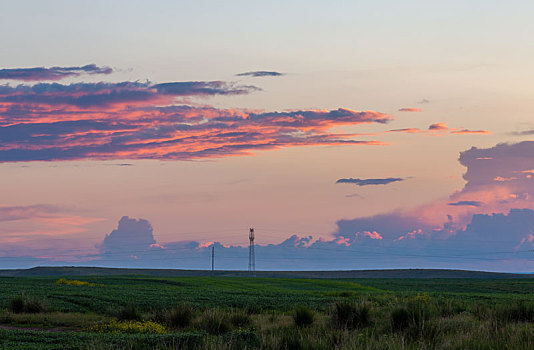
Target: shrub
[240,319]
[181,316]
[350,315]
[34,306]
[16,305]
[412,314]
[303,316]
[20,304]
[129,313]
[214,321]
[400,318]
[414,320]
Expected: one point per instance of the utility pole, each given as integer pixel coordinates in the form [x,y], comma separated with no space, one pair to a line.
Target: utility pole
[212,259]
[251,256]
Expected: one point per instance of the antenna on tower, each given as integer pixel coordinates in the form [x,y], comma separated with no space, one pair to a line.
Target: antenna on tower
[251,256]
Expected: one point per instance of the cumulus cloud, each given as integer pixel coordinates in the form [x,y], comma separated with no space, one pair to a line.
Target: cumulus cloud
[407,109]
[369,182]
[504,161]
[484,217]
[260,73]
[497,241]
[52,73]
[132,236]
[397,244]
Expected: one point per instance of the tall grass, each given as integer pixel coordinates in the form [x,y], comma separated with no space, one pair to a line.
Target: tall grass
[213,321]
[21,303]
[181,316]
[351,315]
[520,311]
[129,312]
[303,316]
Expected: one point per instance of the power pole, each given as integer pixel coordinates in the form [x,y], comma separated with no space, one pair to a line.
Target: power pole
[251,256]
[212,259]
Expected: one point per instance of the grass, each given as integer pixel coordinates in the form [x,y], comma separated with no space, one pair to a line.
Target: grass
[247,313]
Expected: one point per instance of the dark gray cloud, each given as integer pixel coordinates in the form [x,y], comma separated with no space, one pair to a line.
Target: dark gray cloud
[52,73]
[369,182]
[523,133]
[198,88]
[261,73]
[90,95]
[467,203]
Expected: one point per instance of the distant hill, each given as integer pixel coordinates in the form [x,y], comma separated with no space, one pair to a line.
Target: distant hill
[401,273]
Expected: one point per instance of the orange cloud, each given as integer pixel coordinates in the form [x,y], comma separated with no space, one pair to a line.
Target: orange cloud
[410,109]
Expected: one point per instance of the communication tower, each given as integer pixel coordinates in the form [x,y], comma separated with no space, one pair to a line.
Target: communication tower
[251,256]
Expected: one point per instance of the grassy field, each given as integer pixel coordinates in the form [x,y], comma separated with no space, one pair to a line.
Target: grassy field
[148,312]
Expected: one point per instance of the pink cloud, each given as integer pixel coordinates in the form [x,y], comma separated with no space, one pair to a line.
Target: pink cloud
[173,132]
[410,109]
[372,235]
[440,128]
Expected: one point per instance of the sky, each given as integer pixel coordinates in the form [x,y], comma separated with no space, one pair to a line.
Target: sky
[348,134]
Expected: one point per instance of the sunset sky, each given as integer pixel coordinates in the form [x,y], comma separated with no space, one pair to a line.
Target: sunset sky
[395,134]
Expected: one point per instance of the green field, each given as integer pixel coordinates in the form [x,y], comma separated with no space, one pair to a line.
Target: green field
[153,312]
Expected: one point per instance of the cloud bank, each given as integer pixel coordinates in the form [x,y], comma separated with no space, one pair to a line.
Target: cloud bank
[487,225]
